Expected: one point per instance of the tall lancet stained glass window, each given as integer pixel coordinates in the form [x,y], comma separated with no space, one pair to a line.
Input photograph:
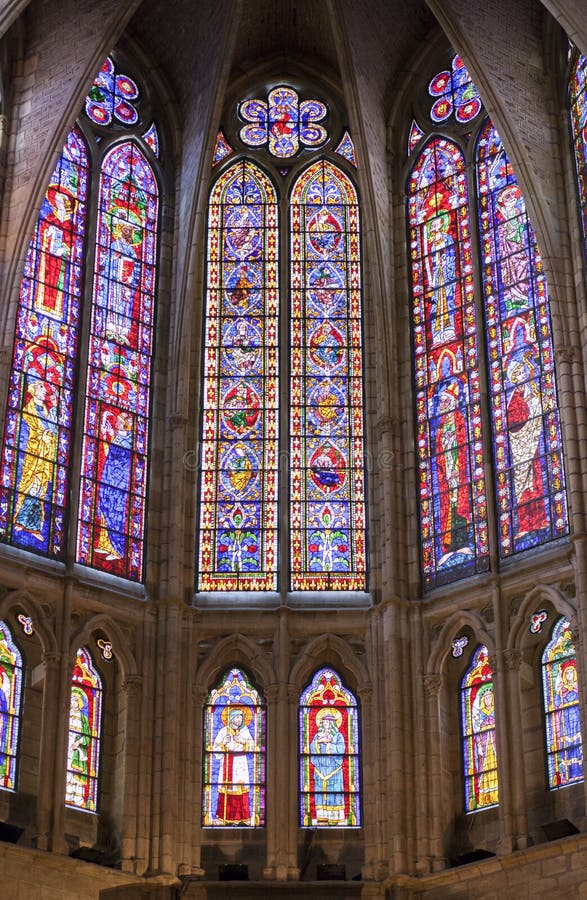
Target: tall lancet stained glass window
[578,99]
[238,508]
[564,748]
[478,728]
[84,734]
[11,680]
[531,501]
[327,489]
[234,754]
[330,793]
[116,433]
[453,508]
[38,429]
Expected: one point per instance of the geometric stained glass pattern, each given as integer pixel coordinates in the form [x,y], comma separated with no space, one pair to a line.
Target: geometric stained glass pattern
[111,96]
[37,436]
[85,722]
[329,754]
[531,501]
[115,444]
[578,98]
[414,137]
[11,675]
[455,93]
[346,149]
[561,708]
[234,754]
[478,730]
[326,419]
[283,122]
[222,149]
[151,138]
[453,508]
[238,501]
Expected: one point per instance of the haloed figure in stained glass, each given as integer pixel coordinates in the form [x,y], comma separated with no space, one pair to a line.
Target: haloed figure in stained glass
[561,706]
[77,753]
[116,454]
[327,756]
[232,744]
[55,246]
[440,260]
[123,267]
[511,232]
[38,446]
[452,469]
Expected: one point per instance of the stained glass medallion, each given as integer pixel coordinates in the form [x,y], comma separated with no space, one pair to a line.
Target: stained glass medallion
[346,149]
[453,506]
[415,136]
[84,735]
[238,508]
[327,489]
[11,673]
[531,499]
[234,754]
[560,688]
[222,149]
[37,435]
[329,754]
[111,97]
[151,138]
[283,122]
[578,99]
[455,94]
[478,726]
[116,434]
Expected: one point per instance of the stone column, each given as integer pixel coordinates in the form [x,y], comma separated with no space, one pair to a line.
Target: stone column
[433,743]
[47,762]
[276,789]
[515,770]
[128,850]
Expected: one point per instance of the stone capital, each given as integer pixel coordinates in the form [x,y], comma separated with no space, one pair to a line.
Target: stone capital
[432,684]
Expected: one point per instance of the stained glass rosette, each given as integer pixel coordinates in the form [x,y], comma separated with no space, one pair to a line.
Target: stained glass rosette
[479,741]
[84,735]
[283,122]
[234,755]
[37,436]
[329,754]
[112,506]
[327,481]
[560,688]
[238,508]
[578,98]
[531,499]
[111,96]
[455,93]
[10,704]
[453,505]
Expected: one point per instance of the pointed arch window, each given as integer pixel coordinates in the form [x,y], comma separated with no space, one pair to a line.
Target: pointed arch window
[234,754]
[478,730]
[84,734]
[560,688]
[260,507]
[11,683]
[455,350]
[40,443]
[329,761]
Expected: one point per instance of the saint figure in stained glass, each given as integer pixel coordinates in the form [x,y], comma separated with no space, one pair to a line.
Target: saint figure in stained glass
[578,98]
[83,750]
[560,688]
[479,744]
[10,702]
[234,763]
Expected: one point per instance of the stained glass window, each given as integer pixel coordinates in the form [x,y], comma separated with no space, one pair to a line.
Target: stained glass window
[327,489]
[578,97]
[111,97]
[414,137]
[346,149]
[329,754]
[115,445]
[531,502]
[151,138]
[222,149]
[283,122]
[453,509]
[456,94]
[560,687]
[478,724]
[37,434]
[238,511]
[85,722]
[10,703]
[234,754]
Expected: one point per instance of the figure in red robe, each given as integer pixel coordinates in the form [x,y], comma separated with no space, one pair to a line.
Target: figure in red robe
[451,456]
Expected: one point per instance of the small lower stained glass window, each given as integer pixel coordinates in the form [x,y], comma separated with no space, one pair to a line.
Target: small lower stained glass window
[83,751]
[10,700]
[560,687]
[479,745]
[329,754]
[234,754]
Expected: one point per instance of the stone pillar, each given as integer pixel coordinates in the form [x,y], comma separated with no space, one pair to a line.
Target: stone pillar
[433,739]
[128,850]
[167,731]
[47,763]
[276,864]
[289,814]
[515,768]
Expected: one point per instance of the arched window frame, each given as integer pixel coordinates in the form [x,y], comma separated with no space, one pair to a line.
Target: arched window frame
[11,701]
[478,733]
[61,473]
[84,743]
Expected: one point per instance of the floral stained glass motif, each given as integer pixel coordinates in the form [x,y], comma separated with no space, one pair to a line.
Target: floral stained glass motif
[414,137]
[85,721]
[111,97]
[283,122]
[238,509]
[327,486]
[329,754]
[531,501]
[560,687]
[478,723]
[151,138]
[455,93]
[37,435]
[346,149]
[453,506]
[115,443]
[222,149]
[10,704]
[578,97]
[234,754]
